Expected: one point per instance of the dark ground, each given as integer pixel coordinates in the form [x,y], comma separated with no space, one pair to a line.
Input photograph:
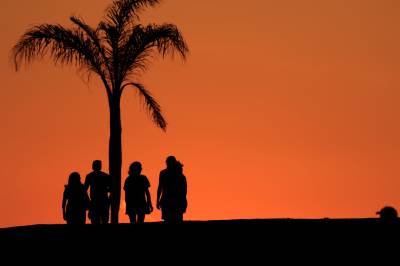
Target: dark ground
[320,241]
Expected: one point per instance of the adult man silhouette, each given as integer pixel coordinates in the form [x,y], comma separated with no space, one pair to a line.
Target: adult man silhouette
[100,186]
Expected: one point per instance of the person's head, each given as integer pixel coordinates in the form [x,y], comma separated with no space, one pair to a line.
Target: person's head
[171,161]
[74,179]
[388,213]
[179,166]
[135,168]
[96,165]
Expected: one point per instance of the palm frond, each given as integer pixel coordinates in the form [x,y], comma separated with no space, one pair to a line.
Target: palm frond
[94,37]
[120,12]
[151,104]
[65,46]
[99,48]
[166,39]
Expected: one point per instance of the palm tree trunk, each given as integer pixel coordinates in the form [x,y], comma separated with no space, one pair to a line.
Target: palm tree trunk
[115,157]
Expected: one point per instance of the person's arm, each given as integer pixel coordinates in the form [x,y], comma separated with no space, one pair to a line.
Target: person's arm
[109,187]
[149,200]
[184,193]
[184,186]
[64,204]
[87,201]
[87,182]
[159,191]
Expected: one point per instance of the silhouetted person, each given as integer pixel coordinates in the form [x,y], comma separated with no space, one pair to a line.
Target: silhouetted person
[388,214]
[137,195]
[172,190]
[100,186]
[75,200]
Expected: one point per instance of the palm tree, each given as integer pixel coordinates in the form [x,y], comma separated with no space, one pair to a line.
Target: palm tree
[116,50]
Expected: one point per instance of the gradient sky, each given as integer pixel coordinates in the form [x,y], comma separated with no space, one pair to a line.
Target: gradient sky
[284,108]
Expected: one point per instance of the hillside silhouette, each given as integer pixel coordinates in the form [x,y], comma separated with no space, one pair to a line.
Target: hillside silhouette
[286,240]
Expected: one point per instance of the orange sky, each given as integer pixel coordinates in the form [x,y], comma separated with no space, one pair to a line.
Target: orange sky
[284,109]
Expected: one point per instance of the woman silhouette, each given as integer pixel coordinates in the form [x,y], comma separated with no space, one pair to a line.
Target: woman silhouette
[171,192]
[137,195]
[75,200]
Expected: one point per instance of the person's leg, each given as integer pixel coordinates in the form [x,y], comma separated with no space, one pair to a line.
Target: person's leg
[179,217]
[140,217]
[95,220]
[132,218]
[95,215]
[82,217]
[104,214]
[176,216]
[166,215]
[107,214]
[74,219]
